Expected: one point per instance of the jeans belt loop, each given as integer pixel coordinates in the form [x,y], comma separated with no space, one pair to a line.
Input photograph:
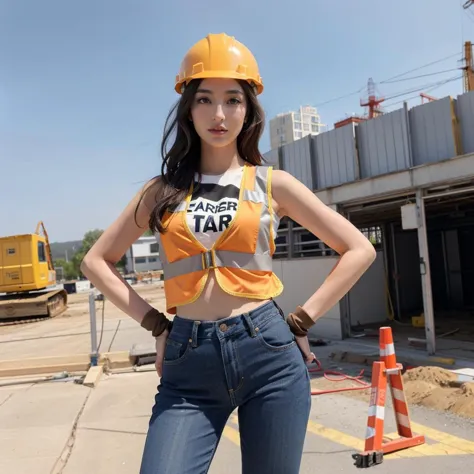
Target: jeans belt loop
[250,325]
[194,335]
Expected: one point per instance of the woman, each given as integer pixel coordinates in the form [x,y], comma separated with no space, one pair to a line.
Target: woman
[215,211]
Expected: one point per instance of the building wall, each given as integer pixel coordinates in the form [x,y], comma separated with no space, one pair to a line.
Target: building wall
[465,113]
[291,126]
[281,130]
[335,156]
[397,141]
[383,144]
[395,154]
[144,255]
[368,297]
[296,160]
[271,158]
[433,136]
[301,278]
[150,265]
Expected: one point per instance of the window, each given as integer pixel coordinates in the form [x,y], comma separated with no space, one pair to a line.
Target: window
[154,248]
[307,118]
[374,234]
[315,119]
[314,127]
[297,134]
[297,125]
[297,117]
[41,252]
[152,259]
[140,260]
[306,127]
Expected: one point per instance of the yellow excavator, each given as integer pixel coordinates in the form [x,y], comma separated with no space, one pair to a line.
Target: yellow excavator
[27,278]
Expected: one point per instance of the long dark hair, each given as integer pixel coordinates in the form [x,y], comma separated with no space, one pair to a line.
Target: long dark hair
[182,160]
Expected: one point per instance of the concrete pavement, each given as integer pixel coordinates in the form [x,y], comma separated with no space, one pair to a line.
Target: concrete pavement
[69,334]
[63,427]
[67,428]
[35,424]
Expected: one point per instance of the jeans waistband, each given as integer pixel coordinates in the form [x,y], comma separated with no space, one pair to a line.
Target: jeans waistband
[200,329]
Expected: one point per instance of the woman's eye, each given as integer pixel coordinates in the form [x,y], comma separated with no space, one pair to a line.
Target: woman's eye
[235,101]
[203,100]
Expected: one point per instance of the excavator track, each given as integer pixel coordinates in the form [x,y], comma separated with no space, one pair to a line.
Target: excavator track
[32,307]
[15,322]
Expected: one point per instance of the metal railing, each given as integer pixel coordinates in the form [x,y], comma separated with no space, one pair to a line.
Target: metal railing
[294,241]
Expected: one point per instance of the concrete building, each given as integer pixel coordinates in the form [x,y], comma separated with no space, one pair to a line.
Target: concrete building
[406,180]
[290,126]
[144,255]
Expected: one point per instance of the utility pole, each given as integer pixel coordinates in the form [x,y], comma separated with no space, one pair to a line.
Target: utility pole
[468,67]
[469,63]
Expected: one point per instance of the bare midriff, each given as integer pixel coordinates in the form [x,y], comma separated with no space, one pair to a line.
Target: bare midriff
[214,303]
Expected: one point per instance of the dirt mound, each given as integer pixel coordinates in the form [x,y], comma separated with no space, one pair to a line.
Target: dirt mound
[417,391]
[431,375]
[468,389]
[439,389]
[464,401]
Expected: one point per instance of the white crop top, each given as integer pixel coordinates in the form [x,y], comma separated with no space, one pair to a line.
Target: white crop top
[213,205]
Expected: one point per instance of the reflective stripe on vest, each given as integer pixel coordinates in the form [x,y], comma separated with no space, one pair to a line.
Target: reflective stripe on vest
[217,258]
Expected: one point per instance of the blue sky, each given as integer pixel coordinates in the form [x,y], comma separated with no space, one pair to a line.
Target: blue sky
[85,86]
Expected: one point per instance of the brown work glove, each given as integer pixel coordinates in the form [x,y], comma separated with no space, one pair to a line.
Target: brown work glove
[299,322]
[156,322]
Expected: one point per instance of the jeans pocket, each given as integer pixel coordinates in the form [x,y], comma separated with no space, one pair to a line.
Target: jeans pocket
[275,335]
[175,351]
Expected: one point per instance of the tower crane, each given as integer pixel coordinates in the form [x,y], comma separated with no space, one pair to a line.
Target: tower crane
[372,100]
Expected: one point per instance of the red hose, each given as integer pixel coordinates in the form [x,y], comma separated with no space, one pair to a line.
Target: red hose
[339,377]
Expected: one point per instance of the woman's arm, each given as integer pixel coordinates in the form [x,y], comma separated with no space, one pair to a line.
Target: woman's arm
[98,264]
[296,201]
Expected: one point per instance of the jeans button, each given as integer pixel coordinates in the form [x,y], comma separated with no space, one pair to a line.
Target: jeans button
[223,327]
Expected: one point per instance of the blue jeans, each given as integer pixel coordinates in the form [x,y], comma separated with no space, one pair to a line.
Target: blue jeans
[250,362]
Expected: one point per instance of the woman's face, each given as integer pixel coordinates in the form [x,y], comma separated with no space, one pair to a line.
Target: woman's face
[218,111]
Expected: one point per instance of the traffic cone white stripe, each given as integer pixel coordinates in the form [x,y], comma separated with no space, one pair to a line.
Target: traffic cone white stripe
[403,420]
[388,350]
[398,394]
[370,433]
[377,411]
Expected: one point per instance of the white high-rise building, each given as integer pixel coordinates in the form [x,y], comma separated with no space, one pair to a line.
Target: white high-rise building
[290,126]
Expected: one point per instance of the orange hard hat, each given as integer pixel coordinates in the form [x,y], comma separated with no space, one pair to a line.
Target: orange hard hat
[219,56]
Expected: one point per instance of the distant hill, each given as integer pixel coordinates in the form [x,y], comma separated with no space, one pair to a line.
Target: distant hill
[59,249]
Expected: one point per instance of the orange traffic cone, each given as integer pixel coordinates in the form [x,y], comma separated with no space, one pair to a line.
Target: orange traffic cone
[387,368]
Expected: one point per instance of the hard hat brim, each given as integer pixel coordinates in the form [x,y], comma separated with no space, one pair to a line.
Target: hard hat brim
[219,75]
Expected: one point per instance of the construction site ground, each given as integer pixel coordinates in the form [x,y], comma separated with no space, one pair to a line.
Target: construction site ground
[66,427]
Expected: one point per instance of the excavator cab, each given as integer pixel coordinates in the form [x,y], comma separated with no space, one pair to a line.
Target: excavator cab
[26,273]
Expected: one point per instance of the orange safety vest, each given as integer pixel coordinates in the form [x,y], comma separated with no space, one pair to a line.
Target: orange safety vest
[241,257]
